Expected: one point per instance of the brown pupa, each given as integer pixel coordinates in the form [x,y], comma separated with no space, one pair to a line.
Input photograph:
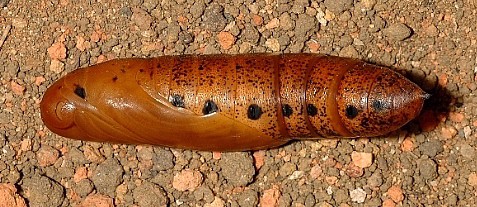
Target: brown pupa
[229,102]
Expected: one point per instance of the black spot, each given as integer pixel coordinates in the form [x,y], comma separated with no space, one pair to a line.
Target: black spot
[141,70]
[209,107]
[177,100]
[351,112]
[311,110]
[254,112]
[201,67]
[80,91]
[378,105]
[238,67]
[287,110]
[115,78]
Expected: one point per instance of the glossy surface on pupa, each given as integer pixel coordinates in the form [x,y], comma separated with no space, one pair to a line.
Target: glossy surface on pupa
[229,102]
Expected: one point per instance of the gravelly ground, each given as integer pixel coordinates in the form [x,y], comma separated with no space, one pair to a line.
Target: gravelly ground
[428,163]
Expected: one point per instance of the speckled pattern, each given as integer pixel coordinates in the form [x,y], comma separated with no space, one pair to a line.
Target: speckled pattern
[390,100]
[292,88]
[254,100]
[322,91]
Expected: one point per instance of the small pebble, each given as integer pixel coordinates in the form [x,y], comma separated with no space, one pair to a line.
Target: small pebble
[375,180]
[286,23]
[258,159]
[237,168]
[273,23]
[314,46]
[397,32]
[306,23]
[57,51]
[36,187]
[287,169]
[338,6]
[248,198]
[427,168]
[82,44]
[431,148]
[395,193]
[467,151]
[273,44]
[92,154]
[448,132]
[80,174]
[349,51]
[187,180]
[141,18]
[362,159]
[296,175]
[316,172]
[216,155]
[85,187]
[107,176]
[331,179]
[226,40]
[257,20]
[96,36]
[407,145]
[358,195]
[150,195]
[57,66]
[9,196]
[320,16]
[213,18]
[456,117]
[354,171]
[389,203]
[472,181]
[39,80]
[467,131]
[17,88]
[47,156]
[270,197]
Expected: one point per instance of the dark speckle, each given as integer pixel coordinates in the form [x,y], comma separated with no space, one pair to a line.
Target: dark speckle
[351,112]
[115,78]
[177,100]
[287,110]
[209,107]
[311,110]
[254,112]
[123,70]
[79,91]
[238,67]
